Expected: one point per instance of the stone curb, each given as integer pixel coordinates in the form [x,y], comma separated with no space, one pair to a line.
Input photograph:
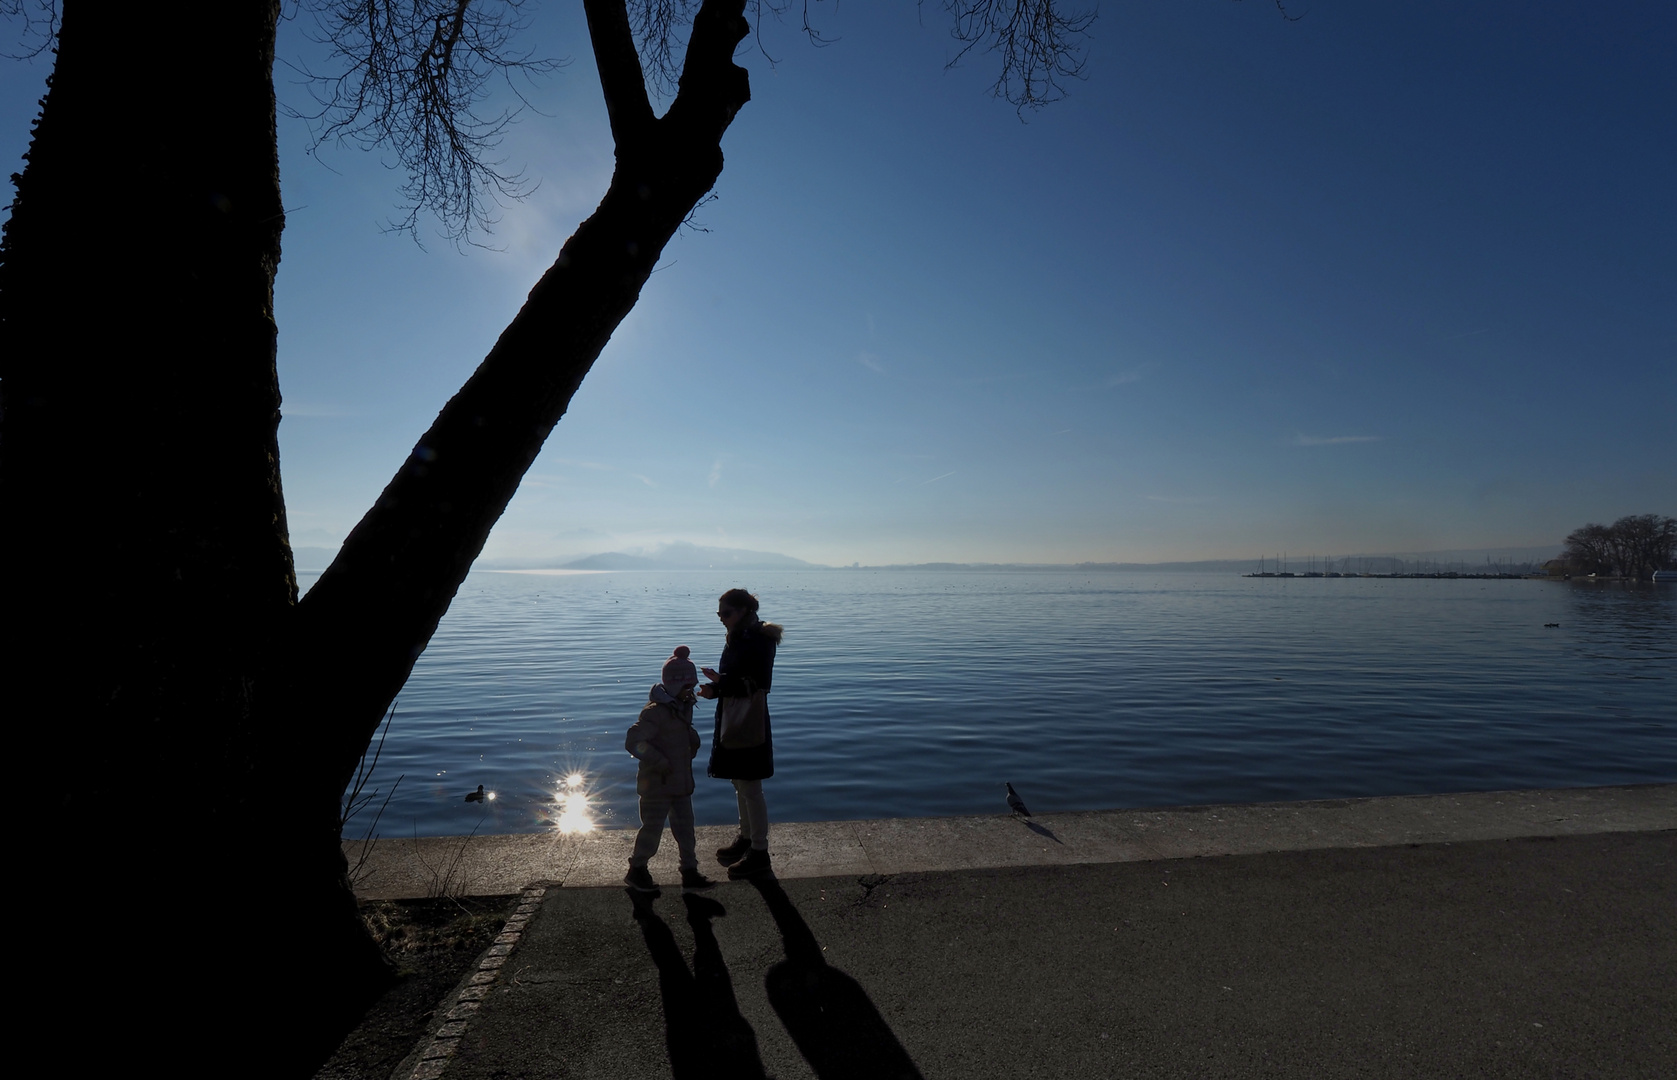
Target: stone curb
[431,1058]
[493,865]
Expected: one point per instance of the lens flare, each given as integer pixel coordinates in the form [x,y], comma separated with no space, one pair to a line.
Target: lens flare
[574,816]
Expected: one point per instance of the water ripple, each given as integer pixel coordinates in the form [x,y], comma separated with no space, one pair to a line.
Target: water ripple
[906,694]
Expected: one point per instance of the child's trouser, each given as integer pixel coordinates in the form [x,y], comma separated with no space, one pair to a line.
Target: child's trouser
[679,810]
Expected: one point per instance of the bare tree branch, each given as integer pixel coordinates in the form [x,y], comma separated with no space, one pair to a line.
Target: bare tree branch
[1037,41]
[622,79]
[39,29]
[1281,6]
[414,75]
[657,27]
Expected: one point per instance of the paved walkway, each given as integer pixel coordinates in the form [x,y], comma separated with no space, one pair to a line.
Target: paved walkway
[1512,934]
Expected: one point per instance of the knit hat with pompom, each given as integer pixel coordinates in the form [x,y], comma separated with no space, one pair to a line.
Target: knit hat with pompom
[679,672]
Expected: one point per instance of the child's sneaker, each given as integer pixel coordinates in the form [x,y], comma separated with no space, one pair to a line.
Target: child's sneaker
[755,862]
[639,878]
[691,878]
[734,852]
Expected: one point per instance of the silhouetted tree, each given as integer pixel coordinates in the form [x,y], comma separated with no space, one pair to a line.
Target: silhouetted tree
[1634,546]
[1643,543]
[1588,550]
[159,653]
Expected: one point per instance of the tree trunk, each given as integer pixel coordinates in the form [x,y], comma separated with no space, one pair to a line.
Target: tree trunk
[139,474]
[206,720]
[367,618]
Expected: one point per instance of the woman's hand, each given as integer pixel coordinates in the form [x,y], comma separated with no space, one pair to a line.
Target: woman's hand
[710,673]
[708,690]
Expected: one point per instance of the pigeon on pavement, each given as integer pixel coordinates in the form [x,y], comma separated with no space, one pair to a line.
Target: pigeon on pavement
[1015,803]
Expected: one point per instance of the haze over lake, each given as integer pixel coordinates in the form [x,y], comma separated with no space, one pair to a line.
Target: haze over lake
[901,694]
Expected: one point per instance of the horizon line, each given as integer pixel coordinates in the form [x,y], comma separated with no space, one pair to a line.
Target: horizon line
[775,561]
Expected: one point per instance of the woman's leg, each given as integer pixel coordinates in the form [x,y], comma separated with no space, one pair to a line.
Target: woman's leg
[754,812]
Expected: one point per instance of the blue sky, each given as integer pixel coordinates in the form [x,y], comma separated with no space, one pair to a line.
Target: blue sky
[1395,277]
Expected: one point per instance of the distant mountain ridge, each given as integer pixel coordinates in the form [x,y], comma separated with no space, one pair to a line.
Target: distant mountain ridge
[685,556]
[677,556]
[1466,557]
[1204,566]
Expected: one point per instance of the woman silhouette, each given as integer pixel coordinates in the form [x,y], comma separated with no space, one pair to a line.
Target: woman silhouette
[747,666]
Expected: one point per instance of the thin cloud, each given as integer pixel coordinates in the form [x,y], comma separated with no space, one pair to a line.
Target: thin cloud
[991,380]
[870,361]
[715,476]
[935,479]
[1133,375]
[595,466]
[1180,499]
[1301,439]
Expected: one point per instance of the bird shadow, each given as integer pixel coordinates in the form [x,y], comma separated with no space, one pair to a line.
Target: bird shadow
[1043,830]
[703,1030]
[830,1017]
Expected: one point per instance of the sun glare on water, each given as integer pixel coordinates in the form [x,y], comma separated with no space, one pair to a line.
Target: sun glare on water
[573,806]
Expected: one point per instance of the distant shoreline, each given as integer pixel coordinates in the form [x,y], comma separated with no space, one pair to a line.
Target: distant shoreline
[686,558]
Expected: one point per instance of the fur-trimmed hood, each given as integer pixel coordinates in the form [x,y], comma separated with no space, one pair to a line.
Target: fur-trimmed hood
[772,631]
[681,704]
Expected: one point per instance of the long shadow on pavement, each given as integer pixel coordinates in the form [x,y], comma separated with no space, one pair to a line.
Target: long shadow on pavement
[1043,830]
[703,1030]
[829,1016]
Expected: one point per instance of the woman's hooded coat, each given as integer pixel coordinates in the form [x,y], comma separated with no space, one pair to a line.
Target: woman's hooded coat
[747,665]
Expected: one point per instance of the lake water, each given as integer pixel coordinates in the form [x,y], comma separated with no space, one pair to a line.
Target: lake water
[904,694]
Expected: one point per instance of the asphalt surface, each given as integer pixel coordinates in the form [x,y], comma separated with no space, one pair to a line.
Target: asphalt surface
[1545,957]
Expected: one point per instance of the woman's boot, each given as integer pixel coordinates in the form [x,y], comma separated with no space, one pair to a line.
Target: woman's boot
[734,852]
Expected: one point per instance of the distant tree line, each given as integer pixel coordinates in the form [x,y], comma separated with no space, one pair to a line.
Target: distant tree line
[1633,547]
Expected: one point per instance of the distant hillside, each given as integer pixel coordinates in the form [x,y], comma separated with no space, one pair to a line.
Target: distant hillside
[1469,559]
[664,557]
[313,558]
[695,557]
[1212,566]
